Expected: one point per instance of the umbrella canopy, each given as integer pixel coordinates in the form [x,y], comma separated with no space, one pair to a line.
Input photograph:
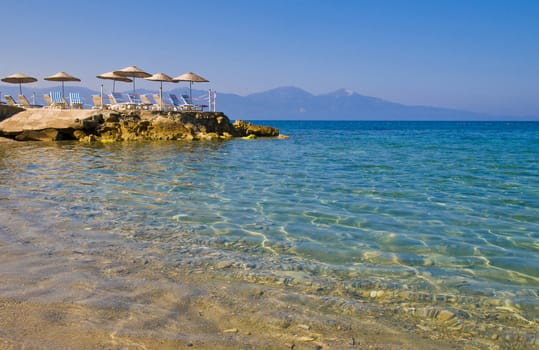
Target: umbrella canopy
[161,77]
[114,78]
[132,72]
[19,78]
[63,77]
[191,78]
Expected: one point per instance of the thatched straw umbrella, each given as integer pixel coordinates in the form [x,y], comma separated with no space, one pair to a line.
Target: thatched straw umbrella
[63,77]
[191,78]
[19,78]
[132,72]
[161,77]
[114,78]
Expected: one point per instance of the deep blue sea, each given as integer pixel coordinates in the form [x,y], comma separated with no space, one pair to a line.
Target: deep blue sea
[448,208]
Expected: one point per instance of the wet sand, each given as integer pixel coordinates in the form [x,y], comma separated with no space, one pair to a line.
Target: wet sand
[209,320]
[107,299]
[85,290]
[216,316]
[110,300]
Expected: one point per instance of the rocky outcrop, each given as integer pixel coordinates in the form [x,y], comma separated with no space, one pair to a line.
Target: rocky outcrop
[245,129]
[110,126]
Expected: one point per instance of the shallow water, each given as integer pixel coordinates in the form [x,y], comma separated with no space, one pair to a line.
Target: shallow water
[432,208]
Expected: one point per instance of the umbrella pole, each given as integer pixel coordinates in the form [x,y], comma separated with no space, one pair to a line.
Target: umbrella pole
[133,84]
[161,97]
[114,86]
[63,90]
[101,96]
[190,93]
[20,89]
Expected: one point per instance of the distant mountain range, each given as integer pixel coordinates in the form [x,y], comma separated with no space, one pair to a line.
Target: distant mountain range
[292,103]
[297,104]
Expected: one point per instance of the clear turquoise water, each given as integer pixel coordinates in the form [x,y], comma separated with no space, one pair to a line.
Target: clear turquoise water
[428,206]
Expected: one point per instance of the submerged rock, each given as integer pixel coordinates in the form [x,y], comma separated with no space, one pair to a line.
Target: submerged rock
[112,126]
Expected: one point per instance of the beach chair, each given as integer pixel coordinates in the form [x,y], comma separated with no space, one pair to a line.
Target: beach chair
[120,101]
[135,100]
[26,104]
[148,103]
[48,101]
[159,103]
[200,106]
[98,103]
[176,102]
[187,105]
[57,100]
[11,101]
[75,101]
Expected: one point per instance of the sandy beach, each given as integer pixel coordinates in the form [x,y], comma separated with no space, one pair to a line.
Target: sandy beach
[203,314]
[106,299]
[208,320]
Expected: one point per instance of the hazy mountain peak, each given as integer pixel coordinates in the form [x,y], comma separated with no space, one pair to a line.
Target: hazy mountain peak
[284,91]
[343,93]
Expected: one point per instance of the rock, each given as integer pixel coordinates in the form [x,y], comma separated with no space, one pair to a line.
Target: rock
[224,265]
[231,330]
[38,135]
[113,126]
[226,136]
[306,338]
[445,315]
[428,262]
[377,293]
[5,140]
[79,134]
[212,136]
[244,128]
[113,118]
[40,119]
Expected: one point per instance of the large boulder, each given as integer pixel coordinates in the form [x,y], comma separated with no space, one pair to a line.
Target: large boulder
[39,119]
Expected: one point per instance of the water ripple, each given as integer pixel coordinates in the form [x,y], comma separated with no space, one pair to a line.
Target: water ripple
[454,206]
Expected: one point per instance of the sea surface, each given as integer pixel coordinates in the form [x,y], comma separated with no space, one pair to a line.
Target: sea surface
[434,208]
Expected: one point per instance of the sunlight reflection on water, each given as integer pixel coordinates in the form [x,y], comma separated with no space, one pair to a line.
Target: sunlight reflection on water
[430,209]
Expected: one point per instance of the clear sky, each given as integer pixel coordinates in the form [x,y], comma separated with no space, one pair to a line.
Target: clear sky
[477,55]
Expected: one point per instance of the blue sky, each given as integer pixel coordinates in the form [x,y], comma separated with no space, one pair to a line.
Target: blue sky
[475,55]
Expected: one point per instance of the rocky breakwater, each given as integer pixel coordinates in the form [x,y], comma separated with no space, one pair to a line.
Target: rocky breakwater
[111,126]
